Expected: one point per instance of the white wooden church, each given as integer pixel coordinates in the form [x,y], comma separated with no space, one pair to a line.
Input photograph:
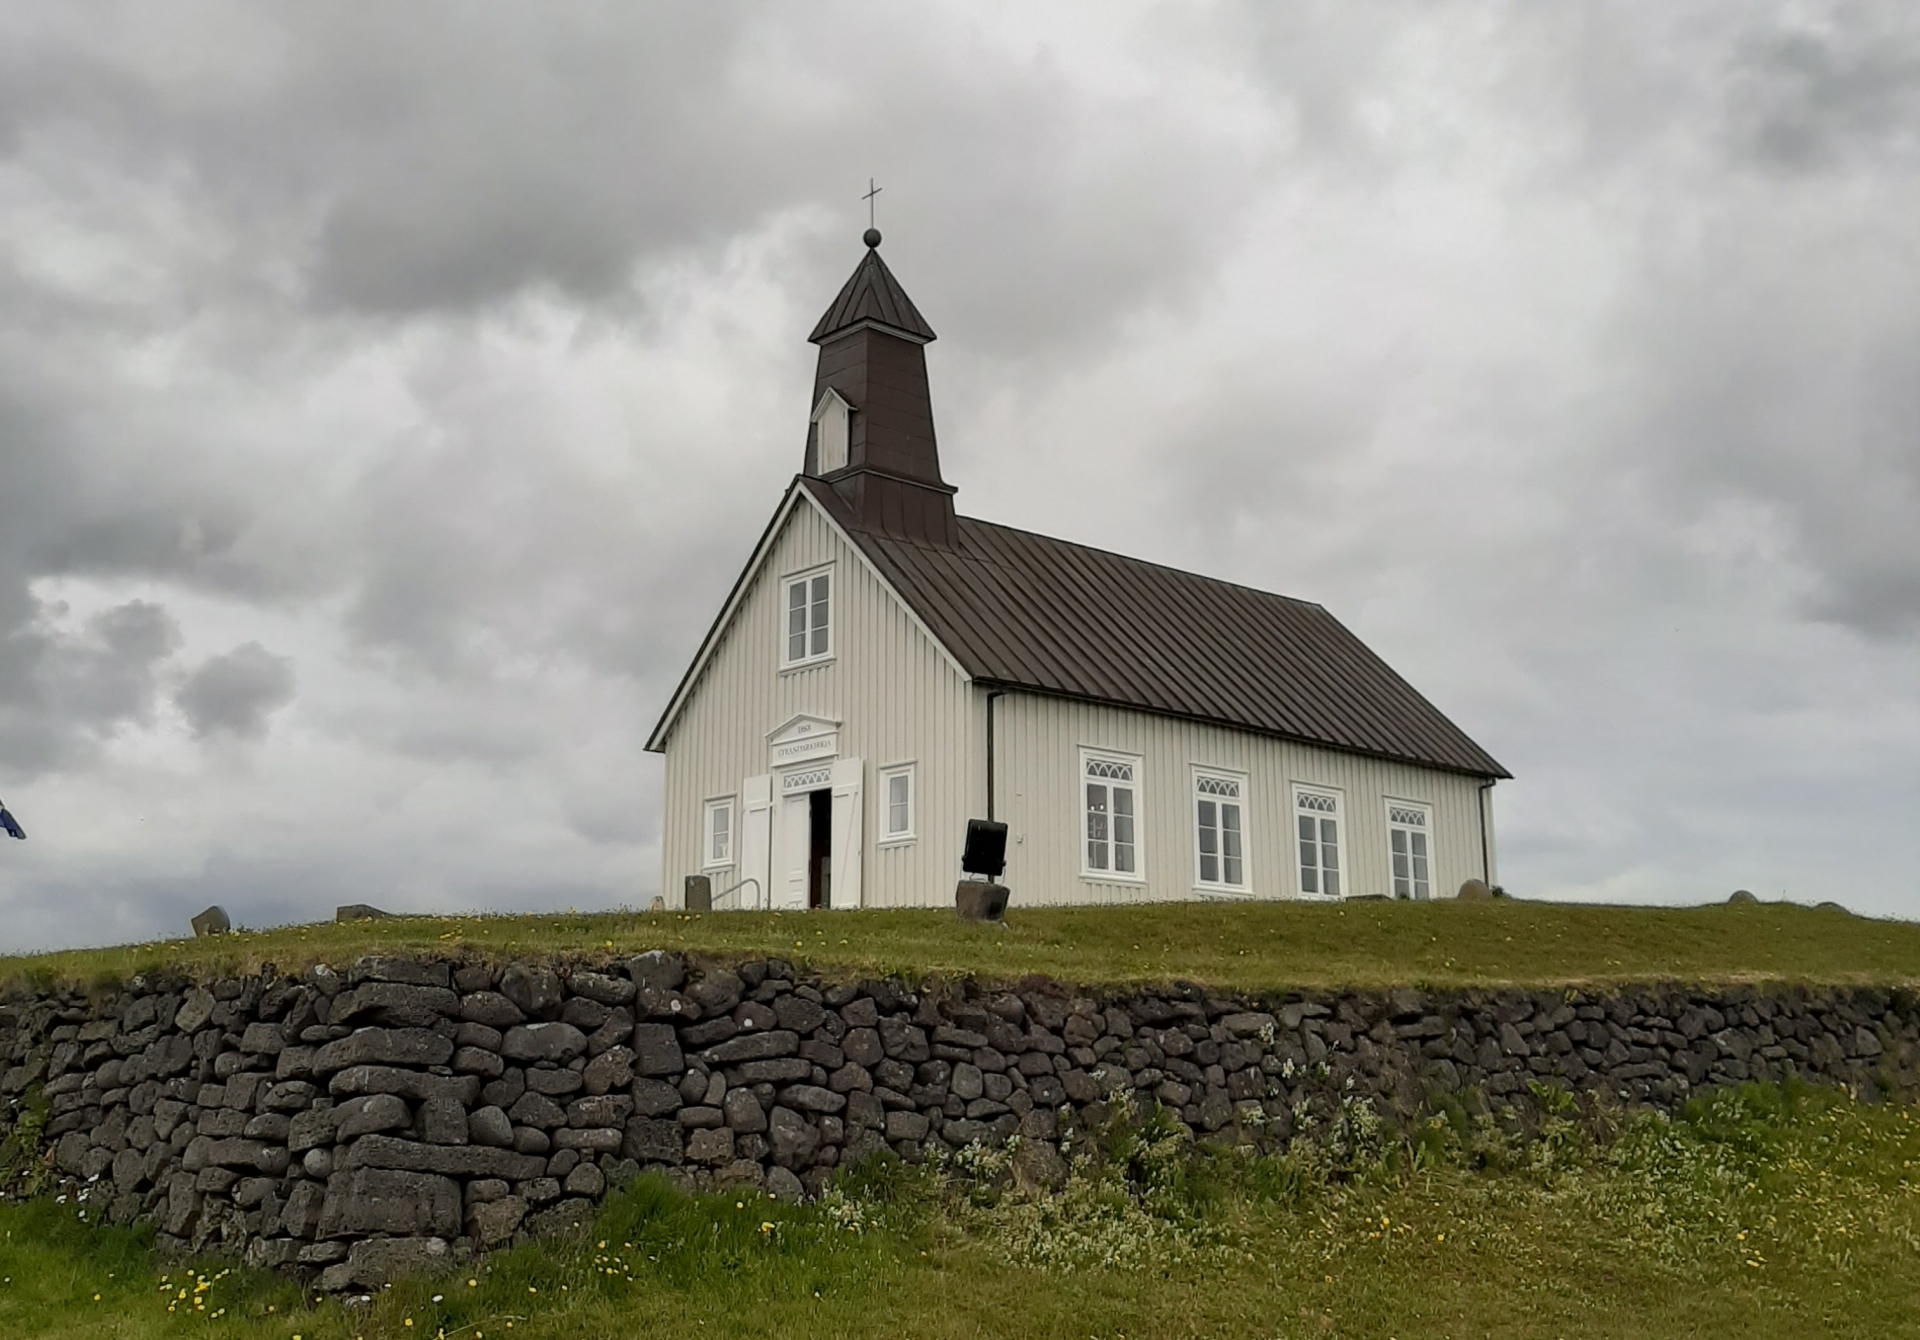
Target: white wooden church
[885,669]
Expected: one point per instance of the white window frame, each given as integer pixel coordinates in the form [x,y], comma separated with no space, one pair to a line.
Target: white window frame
[1342,868]
[1396,824]
[1219,777]
[885,836]
[806,581]
[709,860]
[1135,784]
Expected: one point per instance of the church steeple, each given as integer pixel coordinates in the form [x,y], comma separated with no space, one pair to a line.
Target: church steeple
[872,430]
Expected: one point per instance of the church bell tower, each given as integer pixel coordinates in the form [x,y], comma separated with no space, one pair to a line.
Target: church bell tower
[871,434]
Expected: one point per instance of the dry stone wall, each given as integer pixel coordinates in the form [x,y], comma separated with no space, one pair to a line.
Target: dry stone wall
[404,1113]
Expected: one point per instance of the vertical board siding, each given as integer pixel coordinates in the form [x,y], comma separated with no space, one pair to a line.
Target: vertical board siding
[1038,743]
[900,699]
[897,696]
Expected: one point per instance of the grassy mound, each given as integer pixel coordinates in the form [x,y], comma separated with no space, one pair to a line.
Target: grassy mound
[1239,946]
[1761,1213]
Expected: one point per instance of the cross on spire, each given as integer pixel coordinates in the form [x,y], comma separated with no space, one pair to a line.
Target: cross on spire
[872,191]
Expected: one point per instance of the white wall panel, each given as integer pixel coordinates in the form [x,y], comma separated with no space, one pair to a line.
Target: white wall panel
[1038,744]
[898,697]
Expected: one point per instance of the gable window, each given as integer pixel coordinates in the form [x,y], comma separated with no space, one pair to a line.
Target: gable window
[718,834]
[832,425]
[809,618]
[896,802]
[1316,816]
[1112,808]
[1219,838]
[1407,825]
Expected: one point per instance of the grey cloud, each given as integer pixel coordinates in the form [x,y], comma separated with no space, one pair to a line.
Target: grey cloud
[235,693]
[62,692]
[1814,100]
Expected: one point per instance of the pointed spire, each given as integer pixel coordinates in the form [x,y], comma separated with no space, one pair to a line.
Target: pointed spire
[875,442]
[873,295]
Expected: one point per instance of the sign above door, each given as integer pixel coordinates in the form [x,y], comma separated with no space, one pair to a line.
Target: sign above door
[802,738]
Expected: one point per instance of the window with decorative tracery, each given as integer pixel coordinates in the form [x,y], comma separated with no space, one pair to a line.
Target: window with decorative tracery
[1317,822]
[1407,826]
[1112,811]
[1219,836]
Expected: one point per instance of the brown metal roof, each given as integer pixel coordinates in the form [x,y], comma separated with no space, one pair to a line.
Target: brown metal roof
[873,294]
[1031,612]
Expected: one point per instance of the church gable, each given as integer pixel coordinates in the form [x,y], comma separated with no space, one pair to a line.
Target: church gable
[772,644]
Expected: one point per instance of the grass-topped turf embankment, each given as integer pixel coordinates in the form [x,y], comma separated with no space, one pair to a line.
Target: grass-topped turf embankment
[1235,946]
[1758,1214]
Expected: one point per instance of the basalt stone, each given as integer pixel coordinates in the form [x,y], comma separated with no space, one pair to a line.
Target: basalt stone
[406,971]
[611,1109]
[601,988]
[743,1112]
[383,1046]
[533,987]
[611,1069]
[657,970]
[536,1109]
[374,1112]
[698,1036]
[491,1009]
[713,1145]
[779,1070]
[552,1041]
[443,1122]
[554,1081]
[394,1005]
[375,1262]
[493,1223]
[490,1126]
[585,1015]
[716,992]
[753,1047]
[654,1098]
[478,1061]
[386,1151]
[812,1098]
[195,1011]
[591,1139]
[653,1141]
[530,1140]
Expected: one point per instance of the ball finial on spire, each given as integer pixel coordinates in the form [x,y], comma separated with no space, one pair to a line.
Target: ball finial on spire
[871,237]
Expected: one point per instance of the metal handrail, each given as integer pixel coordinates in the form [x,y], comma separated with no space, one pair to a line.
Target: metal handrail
[757,892]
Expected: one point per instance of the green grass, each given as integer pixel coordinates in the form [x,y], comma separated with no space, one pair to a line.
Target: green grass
[1243,946]
[1758,1214]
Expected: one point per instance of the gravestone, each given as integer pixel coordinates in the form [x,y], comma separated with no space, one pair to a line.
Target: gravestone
[213,921]
[699,894]
[977,900]
[359,912]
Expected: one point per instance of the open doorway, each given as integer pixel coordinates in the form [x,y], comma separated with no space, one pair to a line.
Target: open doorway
[820,848]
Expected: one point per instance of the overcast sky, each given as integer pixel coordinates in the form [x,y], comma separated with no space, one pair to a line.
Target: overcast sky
[389,394]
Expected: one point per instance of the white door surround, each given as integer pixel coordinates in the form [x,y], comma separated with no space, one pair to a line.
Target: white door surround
[803,758]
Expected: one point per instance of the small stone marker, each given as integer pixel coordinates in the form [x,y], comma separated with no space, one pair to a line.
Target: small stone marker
[1476,891]
[213,921]
[977,900]
[1742,896]
[1831,906]
[699,896]
[359,912]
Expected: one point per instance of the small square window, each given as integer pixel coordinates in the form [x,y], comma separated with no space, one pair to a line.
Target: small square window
[896,803]
[809,618]
[717,835]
